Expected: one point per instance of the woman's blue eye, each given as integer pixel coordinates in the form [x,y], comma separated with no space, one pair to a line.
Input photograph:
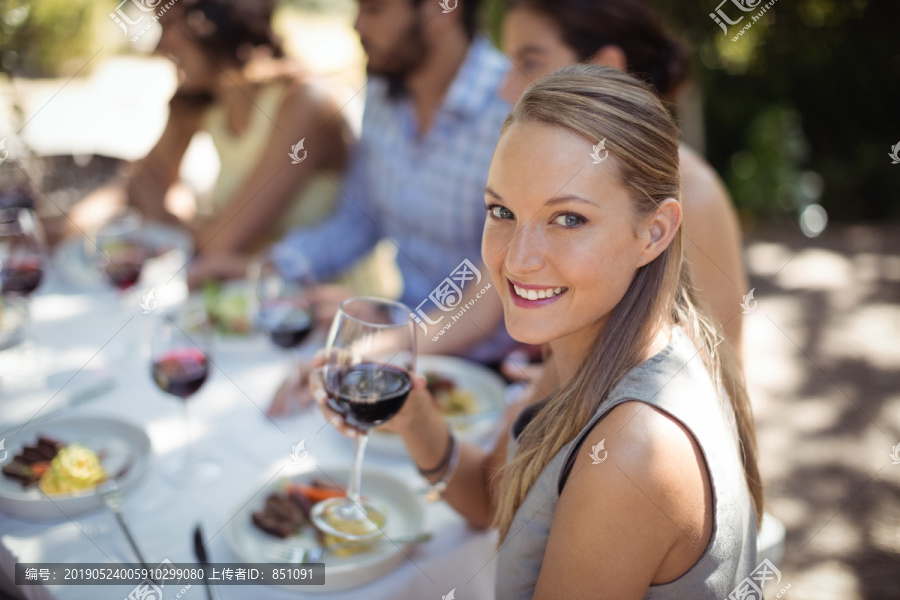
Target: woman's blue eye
[500,212]
[569,220]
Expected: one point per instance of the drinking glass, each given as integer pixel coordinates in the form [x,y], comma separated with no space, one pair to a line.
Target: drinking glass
[121,249]
[281,306]
[179,364]
[23,261]
[370,356]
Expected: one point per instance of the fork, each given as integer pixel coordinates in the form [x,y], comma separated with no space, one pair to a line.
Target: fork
[112,498]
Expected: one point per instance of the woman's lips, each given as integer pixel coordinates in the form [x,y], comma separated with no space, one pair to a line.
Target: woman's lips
[532,296]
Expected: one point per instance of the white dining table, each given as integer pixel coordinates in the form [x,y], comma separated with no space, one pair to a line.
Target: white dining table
[89,344]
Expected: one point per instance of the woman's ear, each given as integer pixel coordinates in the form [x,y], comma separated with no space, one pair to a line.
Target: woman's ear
[660,229]
[610,56]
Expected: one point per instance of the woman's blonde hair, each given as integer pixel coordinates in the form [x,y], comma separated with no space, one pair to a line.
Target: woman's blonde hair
[603,103]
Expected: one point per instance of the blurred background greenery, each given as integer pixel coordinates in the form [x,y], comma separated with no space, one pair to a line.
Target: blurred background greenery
[799,110]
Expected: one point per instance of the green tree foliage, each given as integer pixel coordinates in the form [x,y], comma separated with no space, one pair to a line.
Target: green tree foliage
[38,36]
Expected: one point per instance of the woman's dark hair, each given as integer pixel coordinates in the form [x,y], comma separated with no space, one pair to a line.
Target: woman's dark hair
[237,27]
[653,54]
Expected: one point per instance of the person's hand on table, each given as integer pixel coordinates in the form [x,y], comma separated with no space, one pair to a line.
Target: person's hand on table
[327,299]
[419,401]
[219,266]
[293,394]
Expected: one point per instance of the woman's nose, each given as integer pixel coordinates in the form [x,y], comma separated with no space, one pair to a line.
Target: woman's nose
[525,251]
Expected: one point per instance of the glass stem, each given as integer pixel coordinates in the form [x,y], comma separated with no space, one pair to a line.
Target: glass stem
[189,454]
[356,472]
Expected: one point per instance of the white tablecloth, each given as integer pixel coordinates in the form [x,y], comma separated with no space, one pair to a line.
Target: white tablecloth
[228,422]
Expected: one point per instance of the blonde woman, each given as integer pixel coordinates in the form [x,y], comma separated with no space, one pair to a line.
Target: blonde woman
[542,36]
[637,476]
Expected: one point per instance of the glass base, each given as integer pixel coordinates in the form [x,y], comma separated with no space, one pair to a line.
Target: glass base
[342,518]
[187,472]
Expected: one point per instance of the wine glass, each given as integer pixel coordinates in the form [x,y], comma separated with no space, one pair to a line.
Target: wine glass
[179,357]
[23,258]
[370,355]
[121,249]
[281,305]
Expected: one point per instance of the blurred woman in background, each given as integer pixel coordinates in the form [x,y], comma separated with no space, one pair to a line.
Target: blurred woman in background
[235,83]
[542,36]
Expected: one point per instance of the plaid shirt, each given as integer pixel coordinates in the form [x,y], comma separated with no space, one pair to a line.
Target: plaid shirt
[424,193]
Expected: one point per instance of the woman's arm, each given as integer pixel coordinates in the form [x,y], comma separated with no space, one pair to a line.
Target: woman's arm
[643,516]
[153,175]
[473,488]
[265,195]
[712,237]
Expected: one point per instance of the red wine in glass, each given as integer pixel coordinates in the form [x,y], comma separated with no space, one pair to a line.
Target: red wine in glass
[123,266]
[367,394]
[181,372]
[21,274]
[286,325]
[123,274]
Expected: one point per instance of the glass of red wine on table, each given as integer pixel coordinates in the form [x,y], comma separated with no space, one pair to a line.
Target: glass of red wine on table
[370,356]
[23,257]
[180,364]
[282,307]
[121,250]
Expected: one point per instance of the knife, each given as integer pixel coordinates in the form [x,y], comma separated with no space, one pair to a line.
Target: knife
[203,559]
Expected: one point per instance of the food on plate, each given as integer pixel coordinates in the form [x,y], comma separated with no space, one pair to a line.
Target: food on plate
[55,467]
[286,514]
[227,308]
[74,468]
[33,461]
[452,400]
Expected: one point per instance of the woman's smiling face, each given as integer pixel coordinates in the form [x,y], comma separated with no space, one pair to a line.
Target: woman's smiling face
[561,239]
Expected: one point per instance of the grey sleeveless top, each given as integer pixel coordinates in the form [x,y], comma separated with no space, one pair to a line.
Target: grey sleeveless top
[676,382]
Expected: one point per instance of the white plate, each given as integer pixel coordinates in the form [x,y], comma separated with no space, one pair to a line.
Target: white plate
[72,263]
[404,518]
[485,385]
[119,442]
